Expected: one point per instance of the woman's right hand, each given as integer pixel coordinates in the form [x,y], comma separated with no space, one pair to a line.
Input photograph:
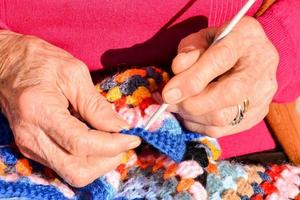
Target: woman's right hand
[38,83]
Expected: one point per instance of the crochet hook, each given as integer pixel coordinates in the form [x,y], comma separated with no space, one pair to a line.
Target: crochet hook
[225,32]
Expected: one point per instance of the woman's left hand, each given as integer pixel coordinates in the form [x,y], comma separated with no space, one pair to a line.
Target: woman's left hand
[210,83]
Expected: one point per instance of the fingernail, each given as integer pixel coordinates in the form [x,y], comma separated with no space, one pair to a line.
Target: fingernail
[187,49]
[173,95]
[134,143]
[123,124]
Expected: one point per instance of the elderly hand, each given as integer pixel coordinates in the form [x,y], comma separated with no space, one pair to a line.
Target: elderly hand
[38,83]
[210,82]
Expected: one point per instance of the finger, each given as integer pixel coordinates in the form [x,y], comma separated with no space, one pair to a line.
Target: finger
[220,118]
[200,40]
[212,131]
[75,137]
[78,171]
[89,169]
[251,118]
[215,61]
[190,49]
[183,61]
[228,92]
[80,91]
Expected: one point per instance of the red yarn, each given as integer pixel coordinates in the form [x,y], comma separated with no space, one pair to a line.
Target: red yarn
[273,175]
[120,103]
[277,169]
[145,103]
[257,197]
[268,188]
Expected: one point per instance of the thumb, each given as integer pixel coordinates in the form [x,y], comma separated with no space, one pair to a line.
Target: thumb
[191,48]
[92,107]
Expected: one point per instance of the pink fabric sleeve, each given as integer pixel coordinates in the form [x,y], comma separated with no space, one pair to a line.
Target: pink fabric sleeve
[2,15]
[281,23]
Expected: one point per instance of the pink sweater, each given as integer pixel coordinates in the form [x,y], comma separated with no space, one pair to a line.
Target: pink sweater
[111,33]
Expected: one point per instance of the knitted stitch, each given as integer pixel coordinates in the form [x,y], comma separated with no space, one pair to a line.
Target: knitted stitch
[172,163]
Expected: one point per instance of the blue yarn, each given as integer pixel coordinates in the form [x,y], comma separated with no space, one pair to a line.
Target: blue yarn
[214,184]
[131,84]
[226,169]
[264,176]
[245,197]
[120,198]
[171,145]
[229,183]
[215,196]
[257,189]
[25,189]
[170,139]
[183,196]
[6,135]
[8,156]
[99,189]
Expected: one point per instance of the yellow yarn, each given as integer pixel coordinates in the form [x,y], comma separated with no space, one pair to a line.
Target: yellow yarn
[138,95]
[114,94]
[216,153]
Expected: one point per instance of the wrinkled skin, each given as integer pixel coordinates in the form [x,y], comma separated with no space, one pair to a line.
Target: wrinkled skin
[209,83]
[38,83]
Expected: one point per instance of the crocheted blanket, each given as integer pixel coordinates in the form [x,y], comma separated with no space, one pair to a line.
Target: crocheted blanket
[172,163]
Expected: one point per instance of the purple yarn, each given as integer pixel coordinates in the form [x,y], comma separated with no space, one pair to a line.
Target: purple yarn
[132,83]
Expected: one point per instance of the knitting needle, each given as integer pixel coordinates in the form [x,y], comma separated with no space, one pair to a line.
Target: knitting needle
[224,33]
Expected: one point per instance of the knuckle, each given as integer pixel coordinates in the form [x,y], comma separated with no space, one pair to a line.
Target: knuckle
[27,104]
[236,94]
[32,44]
[187,108]
[256,28]
[273,55]
[80,67]
[195,84]
[75,144]
[221,118]
[213,132]
[192,126]
[77,69]
[78,178]
[223,56]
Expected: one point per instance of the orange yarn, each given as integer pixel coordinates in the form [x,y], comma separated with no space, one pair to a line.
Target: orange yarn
[2,167]
[23,167]
[170,171]
[184,184]
[297,197]
[212,168]
[159,163]
[123,171]
[128,73]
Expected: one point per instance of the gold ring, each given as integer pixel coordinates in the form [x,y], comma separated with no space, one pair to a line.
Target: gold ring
[241,110]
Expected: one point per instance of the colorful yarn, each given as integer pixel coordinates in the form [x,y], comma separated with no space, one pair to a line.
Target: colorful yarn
[172,163]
